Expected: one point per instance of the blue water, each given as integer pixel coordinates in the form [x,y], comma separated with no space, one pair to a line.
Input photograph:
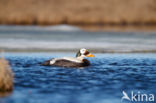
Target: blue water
[102,82]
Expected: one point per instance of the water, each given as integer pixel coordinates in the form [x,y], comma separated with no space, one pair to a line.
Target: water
[68,38]
[102,82]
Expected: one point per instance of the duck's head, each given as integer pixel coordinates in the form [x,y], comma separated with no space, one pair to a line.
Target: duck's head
[84,53]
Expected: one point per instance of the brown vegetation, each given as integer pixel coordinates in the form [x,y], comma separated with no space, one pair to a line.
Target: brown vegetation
[6,76]
[78,12]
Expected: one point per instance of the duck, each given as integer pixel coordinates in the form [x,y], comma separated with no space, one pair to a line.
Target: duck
[78,61]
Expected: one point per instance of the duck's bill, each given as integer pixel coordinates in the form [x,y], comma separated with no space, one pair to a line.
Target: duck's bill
[90,55]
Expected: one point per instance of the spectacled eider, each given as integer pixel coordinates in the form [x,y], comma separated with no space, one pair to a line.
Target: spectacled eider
[79,61]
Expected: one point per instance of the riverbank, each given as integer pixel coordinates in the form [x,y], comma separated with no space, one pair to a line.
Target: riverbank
[90,14]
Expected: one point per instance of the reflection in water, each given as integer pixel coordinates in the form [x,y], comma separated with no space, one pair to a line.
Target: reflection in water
[5,94]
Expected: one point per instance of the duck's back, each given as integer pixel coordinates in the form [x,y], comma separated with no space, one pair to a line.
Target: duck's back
[67,63]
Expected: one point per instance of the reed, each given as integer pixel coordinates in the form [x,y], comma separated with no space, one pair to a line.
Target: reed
[78,12]
[6,76]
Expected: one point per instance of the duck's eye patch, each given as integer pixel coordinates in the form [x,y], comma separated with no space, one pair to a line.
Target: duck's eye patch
[86,53]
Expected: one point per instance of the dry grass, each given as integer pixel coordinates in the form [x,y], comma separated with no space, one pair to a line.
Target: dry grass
[6,76]
[78,12]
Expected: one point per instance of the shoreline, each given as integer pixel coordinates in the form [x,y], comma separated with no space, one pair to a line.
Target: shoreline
[74,50]
[92,28]
[119,28]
